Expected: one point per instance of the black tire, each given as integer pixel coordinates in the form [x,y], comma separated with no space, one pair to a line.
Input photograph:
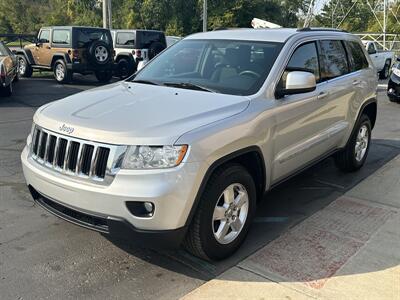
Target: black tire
[7,91]
[155,48]
[100,53]
[200,239]
[346,159]
[104,76]
[16,77]
[26,71]
[61,73]
[384,74]
[125,67]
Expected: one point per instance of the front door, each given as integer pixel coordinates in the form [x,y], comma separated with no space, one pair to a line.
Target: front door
[42,53]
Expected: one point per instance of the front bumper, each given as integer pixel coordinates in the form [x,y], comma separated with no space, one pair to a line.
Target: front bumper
[172,191]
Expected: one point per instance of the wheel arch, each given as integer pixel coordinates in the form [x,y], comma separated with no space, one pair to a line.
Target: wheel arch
[122,55]
[250,158]
[27,54]
[57,56]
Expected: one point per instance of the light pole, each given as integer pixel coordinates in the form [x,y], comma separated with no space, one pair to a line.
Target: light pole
[204,15]
[107,15]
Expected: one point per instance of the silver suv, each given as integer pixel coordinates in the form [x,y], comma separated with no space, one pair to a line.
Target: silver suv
[181,153]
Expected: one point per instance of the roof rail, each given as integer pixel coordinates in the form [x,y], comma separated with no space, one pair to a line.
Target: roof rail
[320,29]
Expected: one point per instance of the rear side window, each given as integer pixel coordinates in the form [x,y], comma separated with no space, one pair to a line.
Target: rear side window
[125,39]
[333,59]
[61,37]
[305,58]
[357,57]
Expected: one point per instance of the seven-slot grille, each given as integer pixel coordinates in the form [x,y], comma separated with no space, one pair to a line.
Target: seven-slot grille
[69,155]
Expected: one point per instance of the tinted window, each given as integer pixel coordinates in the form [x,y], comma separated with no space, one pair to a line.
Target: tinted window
[44,36]
[333,59]
[125,39]
[356,56]
[224,66]
[146,38]
[83,37]
[61,36]
[305,58]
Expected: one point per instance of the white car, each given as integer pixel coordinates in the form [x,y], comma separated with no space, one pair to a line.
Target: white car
[382,60]
[134,48]
[182,151]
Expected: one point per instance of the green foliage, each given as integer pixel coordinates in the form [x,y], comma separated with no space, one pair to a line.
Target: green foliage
[176,17]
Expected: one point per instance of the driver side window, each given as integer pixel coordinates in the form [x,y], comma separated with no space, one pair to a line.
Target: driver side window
[44,36]
[304,58]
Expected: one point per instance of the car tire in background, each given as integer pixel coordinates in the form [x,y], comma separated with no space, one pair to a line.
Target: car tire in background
[61,73]
[224,214]
[125,68]
[384,74]
[7,91]
[24,68]
[155,48]
[104,76]
[354,155]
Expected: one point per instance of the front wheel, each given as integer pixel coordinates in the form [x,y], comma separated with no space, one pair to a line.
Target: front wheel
[353,156]
[24,68]
[224,215]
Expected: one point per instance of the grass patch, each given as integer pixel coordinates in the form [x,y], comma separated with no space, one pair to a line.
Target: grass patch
[39,74]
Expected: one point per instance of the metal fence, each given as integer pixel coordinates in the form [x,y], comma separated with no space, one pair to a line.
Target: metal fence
[388,42]
[17,40]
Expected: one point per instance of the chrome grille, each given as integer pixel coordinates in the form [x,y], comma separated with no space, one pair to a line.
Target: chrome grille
[84,160]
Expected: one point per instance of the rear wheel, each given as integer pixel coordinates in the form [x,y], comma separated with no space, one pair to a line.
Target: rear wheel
[384,74]
[353,156]
[224,215]
[61,73]
[24,69]
[103,76]
[125,68]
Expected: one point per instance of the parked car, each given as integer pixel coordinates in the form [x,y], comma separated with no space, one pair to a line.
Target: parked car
[393,90]
[135,48]
[182,152]
[172,40]
[8,70]
[382,60]
[66,50]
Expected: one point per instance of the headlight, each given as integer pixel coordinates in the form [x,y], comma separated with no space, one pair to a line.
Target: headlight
[153,157]
[396,72]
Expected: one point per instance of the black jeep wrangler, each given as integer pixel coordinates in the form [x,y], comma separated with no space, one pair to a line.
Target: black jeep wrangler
[69,49]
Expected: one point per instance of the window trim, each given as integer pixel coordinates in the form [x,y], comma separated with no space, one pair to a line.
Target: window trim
[61,45]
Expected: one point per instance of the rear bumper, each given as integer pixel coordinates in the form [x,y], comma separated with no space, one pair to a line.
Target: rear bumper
[112,226]
[84,68]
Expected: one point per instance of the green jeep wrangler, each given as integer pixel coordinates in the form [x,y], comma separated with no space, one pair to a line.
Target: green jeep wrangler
[69,49]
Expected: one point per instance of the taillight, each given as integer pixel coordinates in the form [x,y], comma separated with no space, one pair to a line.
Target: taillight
[75,54]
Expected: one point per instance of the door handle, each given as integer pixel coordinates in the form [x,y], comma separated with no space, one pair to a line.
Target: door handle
[356,82]
[322,95]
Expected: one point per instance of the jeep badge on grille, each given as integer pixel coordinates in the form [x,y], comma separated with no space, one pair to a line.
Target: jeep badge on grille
[66,129]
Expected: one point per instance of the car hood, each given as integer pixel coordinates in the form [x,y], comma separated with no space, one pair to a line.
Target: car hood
[130,113]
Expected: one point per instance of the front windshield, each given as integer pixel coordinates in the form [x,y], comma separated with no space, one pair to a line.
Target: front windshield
[222,66]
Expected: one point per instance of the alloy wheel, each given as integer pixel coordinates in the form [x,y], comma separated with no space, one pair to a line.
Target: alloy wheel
[362,143]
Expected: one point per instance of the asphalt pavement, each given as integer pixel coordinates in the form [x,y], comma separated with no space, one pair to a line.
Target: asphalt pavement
[42,256]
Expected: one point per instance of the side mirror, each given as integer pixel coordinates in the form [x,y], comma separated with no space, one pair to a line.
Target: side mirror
[298,82]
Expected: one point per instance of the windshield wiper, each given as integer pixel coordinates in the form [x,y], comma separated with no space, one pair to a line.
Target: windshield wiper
[188,85]
[145,82]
